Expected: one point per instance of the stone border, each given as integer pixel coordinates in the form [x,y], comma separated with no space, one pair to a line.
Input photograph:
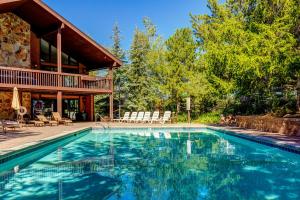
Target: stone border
[15,152]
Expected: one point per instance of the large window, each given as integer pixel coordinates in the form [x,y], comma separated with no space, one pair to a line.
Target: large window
[45,49]
[49,54]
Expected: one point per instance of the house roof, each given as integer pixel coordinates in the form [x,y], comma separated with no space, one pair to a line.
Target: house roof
[45,22]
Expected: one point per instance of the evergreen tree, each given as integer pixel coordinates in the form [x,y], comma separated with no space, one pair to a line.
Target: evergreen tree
[248,54]
[142,82]
[180,57]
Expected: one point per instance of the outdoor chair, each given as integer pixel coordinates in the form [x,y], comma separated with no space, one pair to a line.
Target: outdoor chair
[155,117]
[42,118]
[132,117]
[60,120]
[10,124]
[147,117]
[139,117]
[166,117]
[124,118]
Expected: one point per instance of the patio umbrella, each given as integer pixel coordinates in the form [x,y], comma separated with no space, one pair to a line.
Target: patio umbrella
[15,101]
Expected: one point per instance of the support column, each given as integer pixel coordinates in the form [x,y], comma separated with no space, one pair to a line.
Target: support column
[59,69]
[111,95]
[59,49]
[92,108]
[59,102]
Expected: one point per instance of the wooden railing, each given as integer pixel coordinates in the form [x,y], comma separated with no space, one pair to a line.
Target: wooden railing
[46,80]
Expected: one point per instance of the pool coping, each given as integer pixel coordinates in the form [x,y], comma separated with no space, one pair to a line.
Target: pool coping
[11,153]
[265,140]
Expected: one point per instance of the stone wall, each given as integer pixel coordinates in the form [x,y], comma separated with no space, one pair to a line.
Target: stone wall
[5,105]
[14,41]
[6,112]
[286,126]
[26,101]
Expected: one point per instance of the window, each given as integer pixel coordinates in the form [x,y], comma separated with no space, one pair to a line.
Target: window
[45,57]
[73,62]
[49,54]
[53,54]
[64,59]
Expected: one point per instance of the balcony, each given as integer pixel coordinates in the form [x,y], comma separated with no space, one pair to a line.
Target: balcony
[52,81]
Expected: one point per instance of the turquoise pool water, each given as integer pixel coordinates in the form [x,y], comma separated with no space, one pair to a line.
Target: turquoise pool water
[153,164]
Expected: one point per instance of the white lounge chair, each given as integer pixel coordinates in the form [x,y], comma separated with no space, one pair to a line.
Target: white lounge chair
[139,117]
[132,117]
[147,117]
[124,118]
[167,135]
[155,117]
[166,117]
[156,134]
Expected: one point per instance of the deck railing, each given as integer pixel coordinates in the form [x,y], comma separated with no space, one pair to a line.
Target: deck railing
[47,80]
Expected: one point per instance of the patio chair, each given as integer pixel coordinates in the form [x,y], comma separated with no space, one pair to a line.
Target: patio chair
[132,117]
[139,117]
[124,118]
[166,117]
[147,117]
[10,124]
[155,117]
[57,117]
[42,118]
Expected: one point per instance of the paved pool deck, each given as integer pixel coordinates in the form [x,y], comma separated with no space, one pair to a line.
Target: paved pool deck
[27,136]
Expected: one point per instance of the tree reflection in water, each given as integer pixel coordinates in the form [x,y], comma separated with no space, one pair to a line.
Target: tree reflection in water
[123,166]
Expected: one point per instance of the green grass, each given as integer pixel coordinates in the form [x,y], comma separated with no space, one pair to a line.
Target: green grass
[208,118]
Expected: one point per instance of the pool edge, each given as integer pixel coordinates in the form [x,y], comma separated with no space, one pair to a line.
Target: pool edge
[11,153]
[268,141]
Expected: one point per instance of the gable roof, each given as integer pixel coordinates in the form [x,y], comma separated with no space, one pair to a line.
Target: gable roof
[45,22]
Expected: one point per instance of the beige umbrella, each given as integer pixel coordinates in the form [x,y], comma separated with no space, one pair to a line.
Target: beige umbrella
[15,101]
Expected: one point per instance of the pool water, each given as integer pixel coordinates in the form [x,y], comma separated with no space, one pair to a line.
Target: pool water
[153,164]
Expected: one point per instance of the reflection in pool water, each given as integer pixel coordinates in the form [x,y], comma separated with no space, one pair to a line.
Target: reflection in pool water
[143,164]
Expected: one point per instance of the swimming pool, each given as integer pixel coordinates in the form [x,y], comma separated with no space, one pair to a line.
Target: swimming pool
[152,164]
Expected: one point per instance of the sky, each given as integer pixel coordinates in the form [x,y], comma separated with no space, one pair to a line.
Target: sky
[97,17]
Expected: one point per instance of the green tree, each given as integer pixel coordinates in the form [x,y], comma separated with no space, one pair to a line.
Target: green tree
[248,54]
[178,73]
[141,79]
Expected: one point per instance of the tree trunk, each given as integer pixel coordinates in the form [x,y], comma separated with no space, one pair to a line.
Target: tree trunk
[298,94]
[177,107]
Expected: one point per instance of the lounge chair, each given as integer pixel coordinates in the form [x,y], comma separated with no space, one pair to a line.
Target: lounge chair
[124,118]
[139,117]
[10,124]
[132,117]
[42,118]
[36,123]
[166,117]
[57,117]
[155,117]
[147,117]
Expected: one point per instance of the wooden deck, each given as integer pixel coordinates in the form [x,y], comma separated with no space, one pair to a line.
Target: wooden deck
[52,81]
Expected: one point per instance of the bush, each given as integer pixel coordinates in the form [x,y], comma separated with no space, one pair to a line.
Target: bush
[209,118]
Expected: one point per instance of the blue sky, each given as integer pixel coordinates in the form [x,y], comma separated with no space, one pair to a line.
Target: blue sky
[97,17]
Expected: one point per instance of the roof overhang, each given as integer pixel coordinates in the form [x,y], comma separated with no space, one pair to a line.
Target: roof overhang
[45,23]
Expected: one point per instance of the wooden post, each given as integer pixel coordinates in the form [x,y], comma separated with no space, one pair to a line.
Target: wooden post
[92,108]
[59,49]
[59,61]
[111,95]
[59,102]
[59,69]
